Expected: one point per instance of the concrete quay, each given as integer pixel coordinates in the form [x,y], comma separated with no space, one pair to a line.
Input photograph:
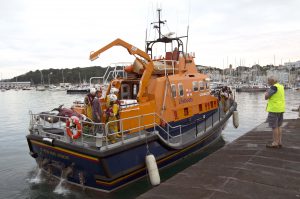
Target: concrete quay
[244,168]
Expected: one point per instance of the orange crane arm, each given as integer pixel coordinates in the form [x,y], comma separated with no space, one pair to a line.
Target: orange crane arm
[148,66]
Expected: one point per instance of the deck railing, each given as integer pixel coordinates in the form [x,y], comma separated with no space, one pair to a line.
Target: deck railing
[143,125]
[111,74]
[99,134]
[167,65]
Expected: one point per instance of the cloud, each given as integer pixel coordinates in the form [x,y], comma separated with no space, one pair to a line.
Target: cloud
[58,34]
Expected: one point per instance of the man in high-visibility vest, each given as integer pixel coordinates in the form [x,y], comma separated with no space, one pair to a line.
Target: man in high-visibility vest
[276,108]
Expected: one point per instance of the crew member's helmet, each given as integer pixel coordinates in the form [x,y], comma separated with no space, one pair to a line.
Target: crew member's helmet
[114,90]
[113,97]
[93,91]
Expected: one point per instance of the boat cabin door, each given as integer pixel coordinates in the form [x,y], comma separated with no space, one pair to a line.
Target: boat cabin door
[125,91]
[129,90]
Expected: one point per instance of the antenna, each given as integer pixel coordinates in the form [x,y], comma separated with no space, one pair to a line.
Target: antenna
[189,12]
[187,39]
[159,23]
[146,41]
[187,33]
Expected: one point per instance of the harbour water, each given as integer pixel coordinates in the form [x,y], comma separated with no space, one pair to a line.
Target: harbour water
[20,177]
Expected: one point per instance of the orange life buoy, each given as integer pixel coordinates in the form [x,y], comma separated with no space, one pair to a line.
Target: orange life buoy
[74,120]
[129,69]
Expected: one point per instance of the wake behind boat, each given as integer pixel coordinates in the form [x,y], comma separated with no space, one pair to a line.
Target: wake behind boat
[166,110]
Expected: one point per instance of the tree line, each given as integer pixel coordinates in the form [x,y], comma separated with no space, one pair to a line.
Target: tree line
[56,76]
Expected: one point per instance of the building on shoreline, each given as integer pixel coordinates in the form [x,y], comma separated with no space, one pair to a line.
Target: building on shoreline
[287,74]
[292,64]
[12,85]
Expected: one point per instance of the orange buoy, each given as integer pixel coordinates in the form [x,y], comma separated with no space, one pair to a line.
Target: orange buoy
[129,69]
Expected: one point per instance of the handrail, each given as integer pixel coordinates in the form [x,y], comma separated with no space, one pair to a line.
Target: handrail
[144,126]
[61,119]
[165,68]
[114,72]
[100,131]
[102,77]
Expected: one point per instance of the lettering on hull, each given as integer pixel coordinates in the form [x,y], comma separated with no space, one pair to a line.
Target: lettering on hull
[185,100]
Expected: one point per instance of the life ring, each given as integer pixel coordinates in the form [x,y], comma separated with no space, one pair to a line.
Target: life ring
[70,122]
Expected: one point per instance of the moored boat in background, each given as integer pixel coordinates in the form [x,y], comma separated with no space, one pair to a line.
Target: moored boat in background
[251,88]
[78,90]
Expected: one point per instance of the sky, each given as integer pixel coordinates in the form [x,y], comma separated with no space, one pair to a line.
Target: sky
[43,34]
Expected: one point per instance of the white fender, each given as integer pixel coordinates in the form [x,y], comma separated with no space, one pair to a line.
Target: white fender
[152,170]
[49,140]
[235,119]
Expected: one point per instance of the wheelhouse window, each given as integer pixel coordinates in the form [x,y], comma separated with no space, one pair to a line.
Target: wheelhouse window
[200,107]
[186,111]
[135,90]
[173,90]
[180,89]
[125,91]
[195,86]
[201,85]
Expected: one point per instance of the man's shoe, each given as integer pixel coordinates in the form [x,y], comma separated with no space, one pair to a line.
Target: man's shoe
[273,146]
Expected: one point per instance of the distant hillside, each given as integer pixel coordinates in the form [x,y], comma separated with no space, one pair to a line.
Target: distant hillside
[74,75]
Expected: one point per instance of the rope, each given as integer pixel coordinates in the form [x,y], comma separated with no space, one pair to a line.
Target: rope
[147,146]
[147,153]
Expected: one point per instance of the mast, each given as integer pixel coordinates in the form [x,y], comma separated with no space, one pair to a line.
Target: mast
[42,79]
[62,72]
[79,79]
[159,23]
[163,38]
[187,38]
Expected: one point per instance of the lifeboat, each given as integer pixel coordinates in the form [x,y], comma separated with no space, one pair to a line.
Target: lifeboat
[164,108]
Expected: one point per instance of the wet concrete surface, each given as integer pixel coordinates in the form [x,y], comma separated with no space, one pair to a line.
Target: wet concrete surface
[244,168]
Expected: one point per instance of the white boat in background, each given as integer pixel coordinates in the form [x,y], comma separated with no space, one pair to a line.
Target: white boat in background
[56,88]
[28,88]
[60,88]
[40,88]
[78,90]
[254,87]
[216,85]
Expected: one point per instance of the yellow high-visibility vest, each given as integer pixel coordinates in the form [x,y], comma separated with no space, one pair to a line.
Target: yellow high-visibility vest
[276,102]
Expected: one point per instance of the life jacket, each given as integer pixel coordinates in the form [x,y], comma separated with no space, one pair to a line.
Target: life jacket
[90,98]
[114,108]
